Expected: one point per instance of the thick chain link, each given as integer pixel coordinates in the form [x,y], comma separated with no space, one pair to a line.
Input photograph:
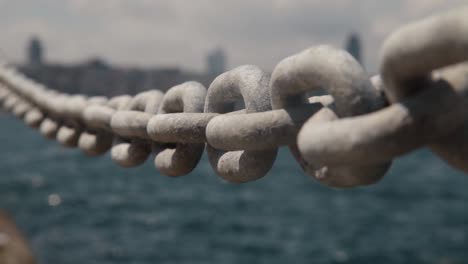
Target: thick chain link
[347,137]
[428,104]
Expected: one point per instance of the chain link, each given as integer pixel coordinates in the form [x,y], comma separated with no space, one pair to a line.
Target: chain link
[249,84]
[346,135]
[428,104]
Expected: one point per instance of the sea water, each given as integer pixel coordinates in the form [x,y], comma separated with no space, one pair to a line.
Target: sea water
[78,209]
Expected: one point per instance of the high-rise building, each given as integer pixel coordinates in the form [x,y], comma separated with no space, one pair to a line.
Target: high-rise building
[353,46]
[35,51]
[216,62]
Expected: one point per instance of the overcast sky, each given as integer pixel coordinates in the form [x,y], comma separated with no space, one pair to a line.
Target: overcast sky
[180,33]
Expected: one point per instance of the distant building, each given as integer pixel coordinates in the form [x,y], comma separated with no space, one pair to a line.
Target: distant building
[97,64]
[35,51]
[96,76]
[216,62]
[353,46]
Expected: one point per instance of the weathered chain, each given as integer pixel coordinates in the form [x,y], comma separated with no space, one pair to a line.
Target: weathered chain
[345,138]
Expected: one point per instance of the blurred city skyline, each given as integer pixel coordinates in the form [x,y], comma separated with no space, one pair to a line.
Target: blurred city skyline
[177,33]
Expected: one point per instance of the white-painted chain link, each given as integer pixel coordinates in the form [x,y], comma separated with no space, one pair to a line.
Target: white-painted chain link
[345,138]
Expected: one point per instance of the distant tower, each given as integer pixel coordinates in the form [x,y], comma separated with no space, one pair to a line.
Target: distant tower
[35,51]
[216,62]
[353,46]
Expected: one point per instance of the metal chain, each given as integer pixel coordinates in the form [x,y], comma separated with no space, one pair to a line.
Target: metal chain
[345,138]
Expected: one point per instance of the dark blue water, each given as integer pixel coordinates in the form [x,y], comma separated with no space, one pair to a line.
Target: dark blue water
[76,209]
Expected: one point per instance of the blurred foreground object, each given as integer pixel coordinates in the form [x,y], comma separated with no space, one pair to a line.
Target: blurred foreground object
[13,247]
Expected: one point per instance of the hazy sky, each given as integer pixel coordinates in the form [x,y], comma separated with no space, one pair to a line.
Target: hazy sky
[173,32]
